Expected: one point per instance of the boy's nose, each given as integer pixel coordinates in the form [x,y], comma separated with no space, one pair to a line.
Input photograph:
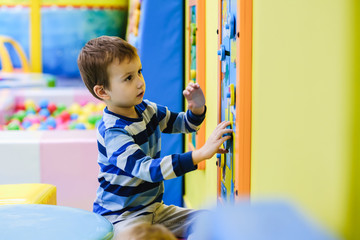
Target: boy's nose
[140,83]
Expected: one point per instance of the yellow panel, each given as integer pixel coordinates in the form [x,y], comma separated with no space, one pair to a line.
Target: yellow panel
[301,109]
[35,36]
[14,2]
[200,186]
[27,194]
[354,199]
[111,3]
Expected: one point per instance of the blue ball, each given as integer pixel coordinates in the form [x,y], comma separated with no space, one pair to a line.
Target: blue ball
[26,124]
[44,104]
[51,122]
[80,126]
[44,112]
[74,116]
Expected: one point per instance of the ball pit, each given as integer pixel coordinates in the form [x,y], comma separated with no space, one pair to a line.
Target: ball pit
[47,115]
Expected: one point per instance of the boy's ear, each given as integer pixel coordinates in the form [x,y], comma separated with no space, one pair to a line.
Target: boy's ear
[99,90]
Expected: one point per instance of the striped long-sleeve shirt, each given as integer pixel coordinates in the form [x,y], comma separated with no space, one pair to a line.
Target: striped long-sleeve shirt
[131,169]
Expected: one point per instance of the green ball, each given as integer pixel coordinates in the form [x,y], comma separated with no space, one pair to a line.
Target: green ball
[92,119]
[61,107]
[13,126]
[72,125]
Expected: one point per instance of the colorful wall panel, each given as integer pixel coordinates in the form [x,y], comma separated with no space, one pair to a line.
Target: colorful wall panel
[235,41]
[200,186]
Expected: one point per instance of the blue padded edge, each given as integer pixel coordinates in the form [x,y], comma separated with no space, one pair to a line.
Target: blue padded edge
[160,47]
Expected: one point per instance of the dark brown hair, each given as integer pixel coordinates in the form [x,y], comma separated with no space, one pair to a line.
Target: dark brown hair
[97,55]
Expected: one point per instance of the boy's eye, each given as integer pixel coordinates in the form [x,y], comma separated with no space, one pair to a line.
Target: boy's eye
[128,78]
[140,72]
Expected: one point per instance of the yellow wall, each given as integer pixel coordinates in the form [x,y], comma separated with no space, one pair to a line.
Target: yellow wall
[354,199]
[302,105]
[200,185]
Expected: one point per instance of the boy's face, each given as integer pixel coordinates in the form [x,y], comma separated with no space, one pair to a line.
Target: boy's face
[127,85]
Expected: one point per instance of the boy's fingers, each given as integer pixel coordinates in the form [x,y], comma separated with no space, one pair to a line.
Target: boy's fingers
[223,139]
[222,150]
[189,88]
[186,93]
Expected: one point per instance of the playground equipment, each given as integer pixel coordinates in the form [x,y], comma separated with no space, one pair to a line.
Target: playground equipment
[195,63]
[7,65]
[235,17]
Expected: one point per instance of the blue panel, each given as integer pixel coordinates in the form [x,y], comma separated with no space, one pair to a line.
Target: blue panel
[160,47]
[66,30]
[15,24]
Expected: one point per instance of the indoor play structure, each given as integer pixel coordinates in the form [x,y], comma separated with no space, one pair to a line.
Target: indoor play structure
[287,84]
[284,73]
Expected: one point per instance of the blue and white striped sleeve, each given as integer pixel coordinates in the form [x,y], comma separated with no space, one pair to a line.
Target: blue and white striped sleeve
[123,152]
[183,122]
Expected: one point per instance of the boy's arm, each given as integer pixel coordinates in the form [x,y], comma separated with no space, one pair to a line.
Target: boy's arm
[130,158]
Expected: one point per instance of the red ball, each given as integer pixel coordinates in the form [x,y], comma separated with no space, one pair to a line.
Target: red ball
[52,107]
[19,106]
[65,116]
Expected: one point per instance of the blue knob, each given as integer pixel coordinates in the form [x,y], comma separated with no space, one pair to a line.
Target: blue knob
[231,23]
[218,155]
[228,95]
[227,26]
[221,52]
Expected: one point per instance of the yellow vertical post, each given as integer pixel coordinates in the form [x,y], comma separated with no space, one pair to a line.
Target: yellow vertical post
[35,36]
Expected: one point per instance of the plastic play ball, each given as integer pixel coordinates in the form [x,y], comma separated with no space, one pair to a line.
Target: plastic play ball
[65,116]
[30,110]
[29,104]
[13,126]
[26,124]
[43,103]
[92,119]
[72,125]
[19,106]
[20,115]
[75,108]
[51,122]
[33,127]
[61,107]
[80,126]
[100,107]
[44,112]
[74,116]
[48,116]
[52,107]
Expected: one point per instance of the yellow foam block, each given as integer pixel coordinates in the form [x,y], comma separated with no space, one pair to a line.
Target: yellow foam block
[32,193]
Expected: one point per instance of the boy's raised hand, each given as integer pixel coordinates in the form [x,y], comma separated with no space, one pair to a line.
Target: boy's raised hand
[212,145]
[195,98]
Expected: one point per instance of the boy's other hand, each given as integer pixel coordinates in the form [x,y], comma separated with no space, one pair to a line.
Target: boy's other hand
[212,145]
[195,98]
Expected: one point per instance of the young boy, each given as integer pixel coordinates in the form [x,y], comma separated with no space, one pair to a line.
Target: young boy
[131,169]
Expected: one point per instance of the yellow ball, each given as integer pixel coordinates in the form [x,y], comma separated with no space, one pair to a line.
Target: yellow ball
[89,126]
[91,106]
[100,107]
[33,127]
[75,108]
[29,103]
[82,119]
